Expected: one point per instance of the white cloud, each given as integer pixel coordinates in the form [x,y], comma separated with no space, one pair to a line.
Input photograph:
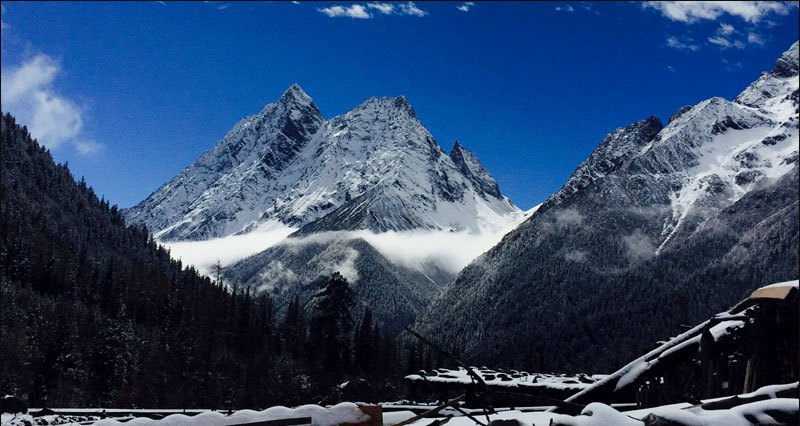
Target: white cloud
[411,9]
[27,92]
[754,38]
[726,38]
[223,6]
[88,147]
[355,11]
[725,43]
[384,8]
[566,8]
[693,11]
[671,68]
[295,2]
[638,245]
[466,6]
[682,43]
[358,11]
[726,29]
[450,251]
[227,250]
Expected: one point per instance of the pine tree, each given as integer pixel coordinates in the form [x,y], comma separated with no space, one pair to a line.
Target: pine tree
[331,322]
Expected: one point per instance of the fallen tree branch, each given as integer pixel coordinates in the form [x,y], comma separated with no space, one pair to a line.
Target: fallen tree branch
[458,362]
[431,411]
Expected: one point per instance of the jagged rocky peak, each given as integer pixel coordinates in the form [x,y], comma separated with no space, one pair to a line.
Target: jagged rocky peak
[787,65]
[613,152]
[471,167]
[301,112]
[775,85]
[682,110]
[620,144]
[396,108]
[295,93]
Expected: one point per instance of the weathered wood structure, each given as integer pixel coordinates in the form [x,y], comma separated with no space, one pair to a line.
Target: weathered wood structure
[754,344]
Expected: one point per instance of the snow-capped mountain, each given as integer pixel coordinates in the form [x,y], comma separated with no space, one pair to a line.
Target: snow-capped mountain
[376,167]
[704,208]
[369,194]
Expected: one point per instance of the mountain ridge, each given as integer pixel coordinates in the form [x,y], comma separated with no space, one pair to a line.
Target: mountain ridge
[652,235]
[288,165]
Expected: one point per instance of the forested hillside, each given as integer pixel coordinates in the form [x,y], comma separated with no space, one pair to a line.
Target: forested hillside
[95,313]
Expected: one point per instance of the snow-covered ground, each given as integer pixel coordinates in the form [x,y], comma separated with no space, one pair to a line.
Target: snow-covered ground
[345,412]
[765,412]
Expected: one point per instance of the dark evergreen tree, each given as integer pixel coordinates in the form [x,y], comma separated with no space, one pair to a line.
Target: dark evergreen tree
[331,324]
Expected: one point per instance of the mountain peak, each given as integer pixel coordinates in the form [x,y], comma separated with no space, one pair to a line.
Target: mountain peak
[786,65]
[471,167]
[397,103]
[456,147]
[295,94]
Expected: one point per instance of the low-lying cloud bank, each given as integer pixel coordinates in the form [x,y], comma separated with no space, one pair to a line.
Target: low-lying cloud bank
[204,255]
[451,251]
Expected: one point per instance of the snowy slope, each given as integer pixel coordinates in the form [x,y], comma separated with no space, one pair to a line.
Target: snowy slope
[376,167]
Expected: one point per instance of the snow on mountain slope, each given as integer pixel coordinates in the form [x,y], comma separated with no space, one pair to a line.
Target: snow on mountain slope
[376,167]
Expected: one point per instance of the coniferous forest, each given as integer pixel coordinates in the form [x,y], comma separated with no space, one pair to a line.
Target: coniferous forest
[95,313]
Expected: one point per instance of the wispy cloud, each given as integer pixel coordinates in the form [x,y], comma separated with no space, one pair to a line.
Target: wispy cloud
[754,38]
[3,24]
[693,11]
[466,6]
[88,147]
[411,9]
[384,8]
[682,43]
[671,69]
[727,37]
[726,43]
[726,29]
[355,11]
[731,66]
[360,11]
[566,8]
[27,90]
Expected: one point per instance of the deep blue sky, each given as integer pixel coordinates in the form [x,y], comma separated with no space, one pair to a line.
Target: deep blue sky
[529,88]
